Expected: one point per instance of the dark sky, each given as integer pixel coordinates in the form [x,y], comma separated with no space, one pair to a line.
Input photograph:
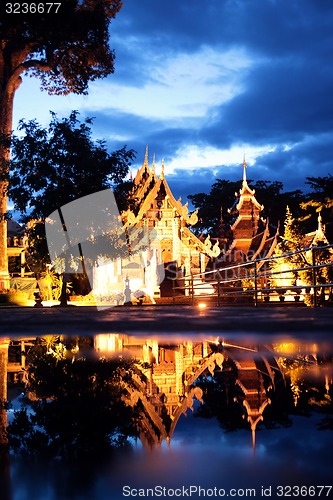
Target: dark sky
[203,83]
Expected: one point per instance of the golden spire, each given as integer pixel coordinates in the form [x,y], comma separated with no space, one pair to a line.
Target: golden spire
[320,227]
[146,158]
[320,233]
[244,171]
[162,173]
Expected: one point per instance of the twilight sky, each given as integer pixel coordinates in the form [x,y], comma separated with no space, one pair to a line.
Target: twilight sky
[204,82]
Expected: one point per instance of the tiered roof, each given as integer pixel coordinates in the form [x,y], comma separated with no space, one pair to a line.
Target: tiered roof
[150,191]
[149,187]
[316,237]
[247,241]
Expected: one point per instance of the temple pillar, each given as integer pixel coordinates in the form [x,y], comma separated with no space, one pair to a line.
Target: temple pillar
[22,263]
[4,280]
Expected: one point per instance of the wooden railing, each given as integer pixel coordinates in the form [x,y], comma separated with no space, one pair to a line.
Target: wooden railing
[263,280]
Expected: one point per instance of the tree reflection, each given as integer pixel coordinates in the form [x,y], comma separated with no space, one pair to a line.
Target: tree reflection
[75,405]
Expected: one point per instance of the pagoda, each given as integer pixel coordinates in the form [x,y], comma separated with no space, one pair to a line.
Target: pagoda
[251,236]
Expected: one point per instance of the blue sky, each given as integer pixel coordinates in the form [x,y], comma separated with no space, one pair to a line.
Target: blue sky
[204,82]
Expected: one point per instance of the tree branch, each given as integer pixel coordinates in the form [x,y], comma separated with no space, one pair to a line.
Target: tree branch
[25,66]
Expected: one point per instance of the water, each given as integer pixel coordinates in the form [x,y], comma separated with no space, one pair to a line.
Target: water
[208,452]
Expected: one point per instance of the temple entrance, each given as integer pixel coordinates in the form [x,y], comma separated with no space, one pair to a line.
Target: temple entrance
[166,250]
[170,271]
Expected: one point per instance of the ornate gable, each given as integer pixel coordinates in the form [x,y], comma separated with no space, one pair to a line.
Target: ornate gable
[155,198]
[170,218]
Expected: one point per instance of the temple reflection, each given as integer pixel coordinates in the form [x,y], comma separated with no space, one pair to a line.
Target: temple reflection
[168,377]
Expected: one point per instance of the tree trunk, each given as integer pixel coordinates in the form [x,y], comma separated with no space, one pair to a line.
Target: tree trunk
[7,92]
[4,276]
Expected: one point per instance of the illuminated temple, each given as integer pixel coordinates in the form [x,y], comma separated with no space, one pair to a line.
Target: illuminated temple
[171,242]
[251,235]
[169,248]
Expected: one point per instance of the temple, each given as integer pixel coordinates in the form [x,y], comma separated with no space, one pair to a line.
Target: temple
[165,223]
[252,237]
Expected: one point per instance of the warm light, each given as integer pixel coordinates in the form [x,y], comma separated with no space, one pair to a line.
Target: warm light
[202,305]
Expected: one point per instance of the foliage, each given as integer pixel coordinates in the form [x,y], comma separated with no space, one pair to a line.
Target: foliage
[324,274]
[79,407]
[293,235]
[53,166]
[223,195]
[50,285]
[291,241]
[209,206]
[319,199]
[14,297]
[64,49]
[219,400]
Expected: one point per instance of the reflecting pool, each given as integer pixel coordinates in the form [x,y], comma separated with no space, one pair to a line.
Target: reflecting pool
[112,416]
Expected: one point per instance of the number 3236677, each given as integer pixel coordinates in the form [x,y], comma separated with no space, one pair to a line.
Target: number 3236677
[302,491]
[32,8]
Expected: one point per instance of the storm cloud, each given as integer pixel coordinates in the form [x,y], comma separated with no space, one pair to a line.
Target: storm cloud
[205,83]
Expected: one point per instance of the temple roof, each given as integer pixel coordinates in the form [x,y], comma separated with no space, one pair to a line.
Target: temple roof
[149,187]
[246,193]
[316,237]
[205,246]
[249,240]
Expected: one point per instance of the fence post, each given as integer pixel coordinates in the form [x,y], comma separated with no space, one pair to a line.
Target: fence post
[192,289]
[218,292]
[255,285]
[314,277]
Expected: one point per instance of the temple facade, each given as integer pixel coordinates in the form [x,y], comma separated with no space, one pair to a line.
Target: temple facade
[163,224]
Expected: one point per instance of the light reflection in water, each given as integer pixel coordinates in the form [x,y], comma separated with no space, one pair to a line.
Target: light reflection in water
[205,405]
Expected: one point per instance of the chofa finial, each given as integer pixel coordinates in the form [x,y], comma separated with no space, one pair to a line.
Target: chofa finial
[146,157]
[244,169]
[162,172]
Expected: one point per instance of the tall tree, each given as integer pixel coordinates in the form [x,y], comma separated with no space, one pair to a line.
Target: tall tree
[65,45]
[79,409]
[53,166]
[213,207]
[319,199]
